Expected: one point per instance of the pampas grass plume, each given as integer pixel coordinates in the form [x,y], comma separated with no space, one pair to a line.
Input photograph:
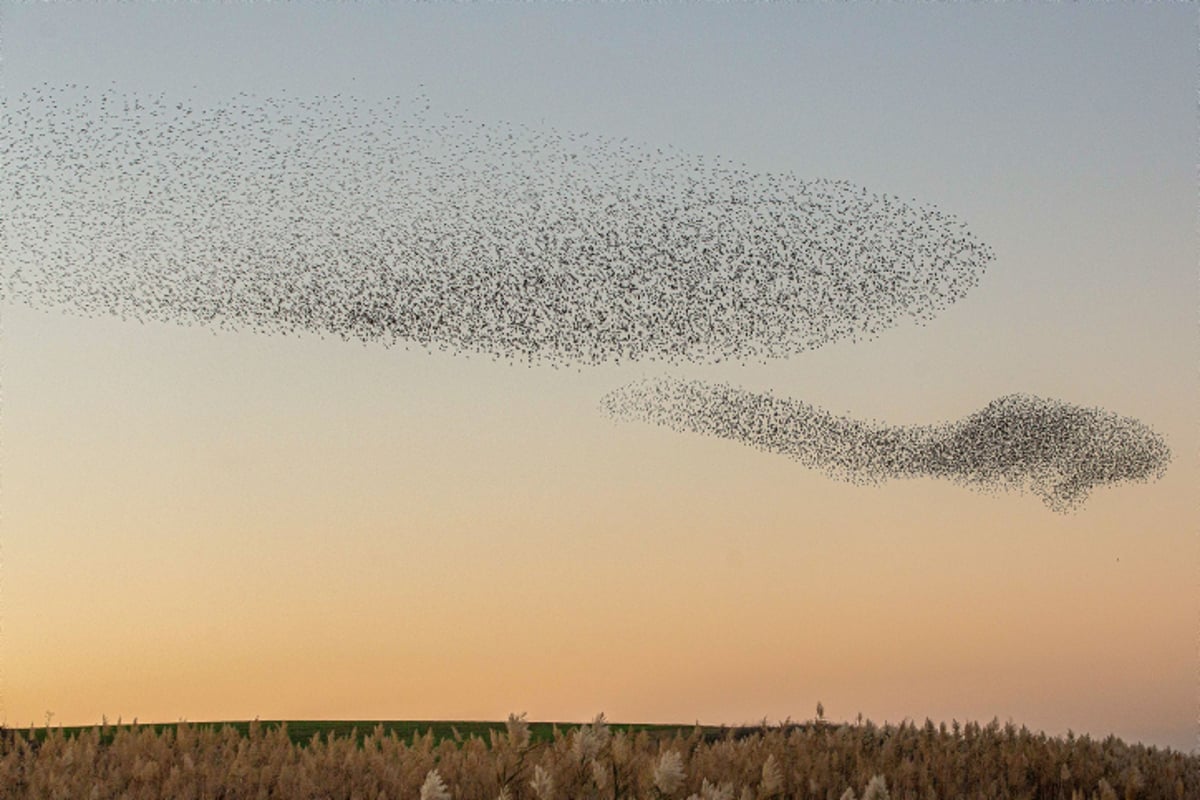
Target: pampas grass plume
[668,773]
[542,783]
[876,789]
[772,777]
[518,730]
[434,788]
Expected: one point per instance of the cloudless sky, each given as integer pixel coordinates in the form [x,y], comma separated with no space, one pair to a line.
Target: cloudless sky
[230,525]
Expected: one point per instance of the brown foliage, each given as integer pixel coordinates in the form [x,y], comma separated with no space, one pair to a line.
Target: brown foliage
[820,761]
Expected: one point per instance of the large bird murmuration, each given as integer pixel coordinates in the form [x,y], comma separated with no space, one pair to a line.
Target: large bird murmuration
[1058,451]
[382,221]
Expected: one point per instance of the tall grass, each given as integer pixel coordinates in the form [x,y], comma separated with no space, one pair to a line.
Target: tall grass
[593,762]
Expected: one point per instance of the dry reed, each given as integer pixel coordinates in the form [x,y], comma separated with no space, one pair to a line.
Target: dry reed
[818,760]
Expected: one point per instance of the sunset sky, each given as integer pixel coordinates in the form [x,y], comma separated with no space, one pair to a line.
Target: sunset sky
[211,525]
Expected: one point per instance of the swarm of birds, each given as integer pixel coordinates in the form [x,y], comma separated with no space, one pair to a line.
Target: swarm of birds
[389,222]
[384,221]
[1058,451]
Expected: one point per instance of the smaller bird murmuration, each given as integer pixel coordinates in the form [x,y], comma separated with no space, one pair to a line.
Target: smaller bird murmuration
[384,221]
[1058,451]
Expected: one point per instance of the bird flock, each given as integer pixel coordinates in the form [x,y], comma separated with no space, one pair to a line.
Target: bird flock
[1058,451]
[386,221]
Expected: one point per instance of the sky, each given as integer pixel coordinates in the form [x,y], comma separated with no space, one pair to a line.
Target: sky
[210,524]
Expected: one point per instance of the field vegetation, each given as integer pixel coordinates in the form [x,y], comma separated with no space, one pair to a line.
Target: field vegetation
[518,760]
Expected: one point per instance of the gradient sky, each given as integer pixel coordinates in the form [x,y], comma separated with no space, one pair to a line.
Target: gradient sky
[227,525]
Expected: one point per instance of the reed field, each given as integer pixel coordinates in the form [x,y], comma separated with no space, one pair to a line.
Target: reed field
[519,760]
